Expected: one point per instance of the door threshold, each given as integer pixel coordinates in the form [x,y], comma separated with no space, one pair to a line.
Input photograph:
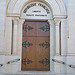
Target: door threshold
[35,72]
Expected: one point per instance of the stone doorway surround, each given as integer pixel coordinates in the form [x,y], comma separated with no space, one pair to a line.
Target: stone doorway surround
[13,17]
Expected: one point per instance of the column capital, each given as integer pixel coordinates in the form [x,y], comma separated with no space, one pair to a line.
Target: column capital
[60,16]
[51,22]
[21,21]
[15,21]
[57,21]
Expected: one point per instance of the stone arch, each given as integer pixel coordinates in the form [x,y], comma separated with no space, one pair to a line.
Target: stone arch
[58,8]
[15,6]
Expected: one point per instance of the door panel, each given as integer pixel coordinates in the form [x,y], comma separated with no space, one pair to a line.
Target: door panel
[29,29]
[28,58]
[43,56]
[36,46]
[43,29]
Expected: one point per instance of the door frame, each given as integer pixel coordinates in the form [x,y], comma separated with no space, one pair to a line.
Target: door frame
[22,47]
[52,44]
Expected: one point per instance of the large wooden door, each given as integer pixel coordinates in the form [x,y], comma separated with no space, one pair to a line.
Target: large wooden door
[36,46]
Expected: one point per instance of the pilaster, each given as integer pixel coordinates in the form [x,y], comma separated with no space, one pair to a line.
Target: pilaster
[52,43]
[57,23]
[14,39]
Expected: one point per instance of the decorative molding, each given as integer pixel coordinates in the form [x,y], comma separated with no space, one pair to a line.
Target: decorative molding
[15,7]
[13,15]
[68,54]
[57,21]
[60,16]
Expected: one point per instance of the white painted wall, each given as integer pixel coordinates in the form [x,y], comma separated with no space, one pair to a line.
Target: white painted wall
[70,58]
[2,27]
[58,68]
[2,23]
[71,24]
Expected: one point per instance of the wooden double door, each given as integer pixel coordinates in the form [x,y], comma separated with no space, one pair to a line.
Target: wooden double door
[36,46]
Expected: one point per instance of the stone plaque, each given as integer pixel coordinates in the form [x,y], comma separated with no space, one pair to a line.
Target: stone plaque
[36,11]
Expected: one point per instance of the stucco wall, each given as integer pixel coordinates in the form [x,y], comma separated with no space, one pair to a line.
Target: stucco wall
[2,24]
[71,24]
[70,29]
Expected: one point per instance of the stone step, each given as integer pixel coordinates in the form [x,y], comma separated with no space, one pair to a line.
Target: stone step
[28,74]
[39,74]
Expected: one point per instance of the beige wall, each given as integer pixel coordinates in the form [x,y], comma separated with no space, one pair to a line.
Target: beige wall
[71,24]
[2,24]
[59,15]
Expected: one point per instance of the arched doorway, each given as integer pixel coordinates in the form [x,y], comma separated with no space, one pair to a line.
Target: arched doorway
[15,13]
[31,13]
[36,46]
